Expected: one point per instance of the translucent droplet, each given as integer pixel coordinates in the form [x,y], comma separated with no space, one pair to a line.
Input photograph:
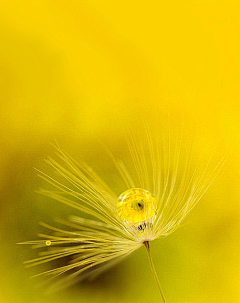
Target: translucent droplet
[136,205]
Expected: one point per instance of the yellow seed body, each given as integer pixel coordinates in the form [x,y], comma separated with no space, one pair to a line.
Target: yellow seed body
[136,205]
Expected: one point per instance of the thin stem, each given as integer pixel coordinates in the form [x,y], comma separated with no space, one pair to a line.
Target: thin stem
[146,243]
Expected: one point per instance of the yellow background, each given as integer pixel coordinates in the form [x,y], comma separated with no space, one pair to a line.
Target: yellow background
[66,68]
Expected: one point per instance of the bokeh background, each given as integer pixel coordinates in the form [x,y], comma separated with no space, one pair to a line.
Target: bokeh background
[66,69]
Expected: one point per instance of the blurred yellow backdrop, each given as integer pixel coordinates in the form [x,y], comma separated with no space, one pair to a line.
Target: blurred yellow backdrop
[66,69]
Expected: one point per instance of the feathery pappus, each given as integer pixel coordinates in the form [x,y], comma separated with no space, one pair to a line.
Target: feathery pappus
[165,185]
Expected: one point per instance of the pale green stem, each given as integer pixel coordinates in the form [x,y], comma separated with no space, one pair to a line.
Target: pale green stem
[146,243]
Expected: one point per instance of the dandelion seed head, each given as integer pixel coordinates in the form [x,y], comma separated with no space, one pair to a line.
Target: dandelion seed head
[136,205]
[109,227]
